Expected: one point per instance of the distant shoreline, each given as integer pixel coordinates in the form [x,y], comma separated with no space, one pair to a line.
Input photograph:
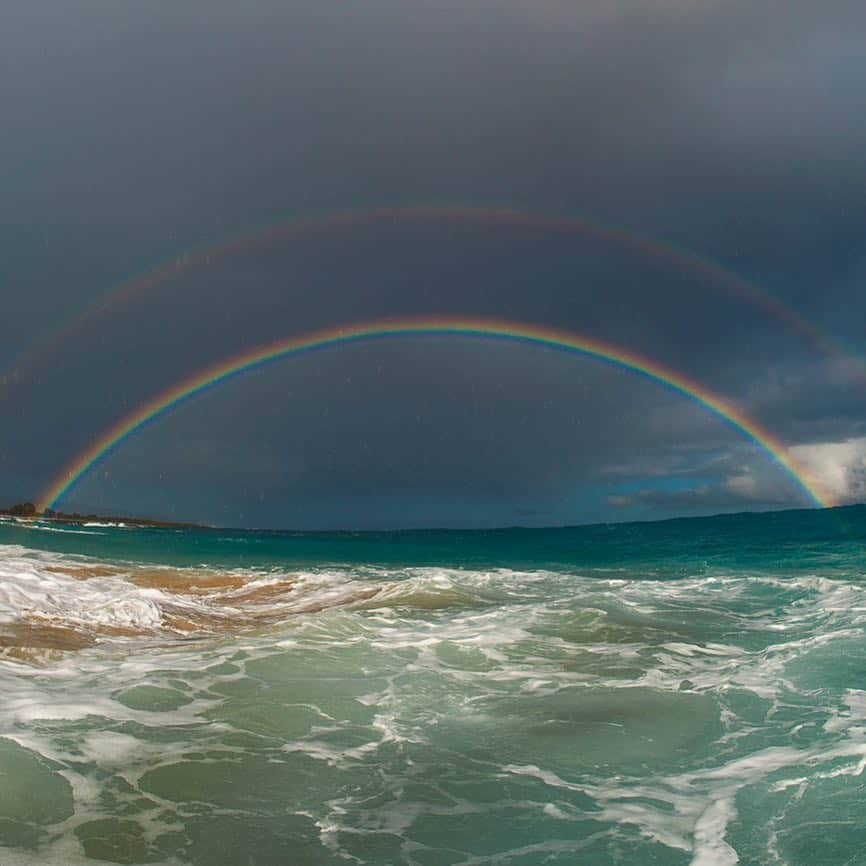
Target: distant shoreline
[82,519]
[26,513]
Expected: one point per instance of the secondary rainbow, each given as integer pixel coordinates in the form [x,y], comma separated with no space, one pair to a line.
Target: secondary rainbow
[454,213]
[165,401]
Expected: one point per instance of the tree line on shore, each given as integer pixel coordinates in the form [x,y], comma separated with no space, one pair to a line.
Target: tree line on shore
[28,509]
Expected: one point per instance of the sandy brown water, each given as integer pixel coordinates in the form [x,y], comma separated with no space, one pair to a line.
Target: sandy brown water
[190,602]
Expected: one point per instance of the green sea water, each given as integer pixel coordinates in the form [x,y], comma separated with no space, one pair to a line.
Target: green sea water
[684,692]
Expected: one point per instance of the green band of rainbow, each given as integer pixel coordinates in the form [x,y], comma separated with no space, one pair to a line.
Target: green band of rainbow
[245,362]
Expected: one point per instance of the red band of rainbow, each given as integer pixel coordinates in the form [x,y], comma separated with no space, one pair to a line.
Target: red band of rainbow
[451,213]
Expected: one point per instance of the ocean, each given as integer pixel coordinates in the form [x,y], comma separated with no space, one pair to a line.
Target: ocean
[682,692]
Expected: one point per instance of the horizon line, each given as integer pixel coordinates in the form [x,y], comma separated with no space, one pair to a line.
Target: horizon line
[194,524]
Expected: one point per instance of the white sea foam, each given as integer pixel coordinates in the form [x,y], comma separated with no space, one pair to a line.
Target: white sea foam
[710,848]
[405,680]
[28,591]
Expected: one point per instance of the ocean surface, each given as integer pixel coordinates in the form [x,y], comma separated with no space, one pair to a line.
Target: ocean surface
[683,692]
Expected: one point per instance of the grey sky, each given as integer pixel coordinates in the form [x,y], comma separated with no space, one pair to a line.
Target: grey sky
[132,132]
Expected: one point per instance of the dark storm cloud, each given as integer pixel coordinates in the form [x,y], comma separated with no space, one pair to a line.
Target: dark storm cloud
[133,132]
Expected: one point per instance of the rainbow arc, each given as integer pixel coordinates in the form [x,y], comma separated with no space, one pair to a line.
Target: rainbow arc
[450,213]
[112,438]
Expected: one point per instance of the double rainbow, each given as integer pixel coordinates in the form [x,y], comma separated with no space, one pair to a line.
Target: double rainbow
[111,439]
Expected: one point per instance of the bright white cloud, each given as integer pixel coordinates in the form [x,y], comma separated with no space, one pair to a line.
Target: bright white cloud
[840,467]
[746,485]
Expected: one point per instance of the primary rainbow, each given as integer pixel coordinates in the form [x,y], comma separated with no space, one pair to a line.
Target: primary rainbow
[185,390]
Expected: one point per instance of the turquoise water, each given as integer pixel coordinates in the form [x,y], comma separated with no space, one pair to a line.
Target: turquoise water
[685,692]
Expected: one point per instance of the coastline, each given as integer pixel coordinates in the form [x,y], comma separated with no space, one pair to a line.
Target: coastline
[105,520]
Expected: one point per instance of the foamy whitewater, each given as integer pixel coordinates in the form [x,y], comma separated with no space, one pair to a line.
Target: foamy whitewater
[687,692]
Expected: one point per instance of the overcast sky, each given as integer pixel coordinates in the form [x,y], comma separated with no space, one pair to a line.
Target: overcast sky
[135,132]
